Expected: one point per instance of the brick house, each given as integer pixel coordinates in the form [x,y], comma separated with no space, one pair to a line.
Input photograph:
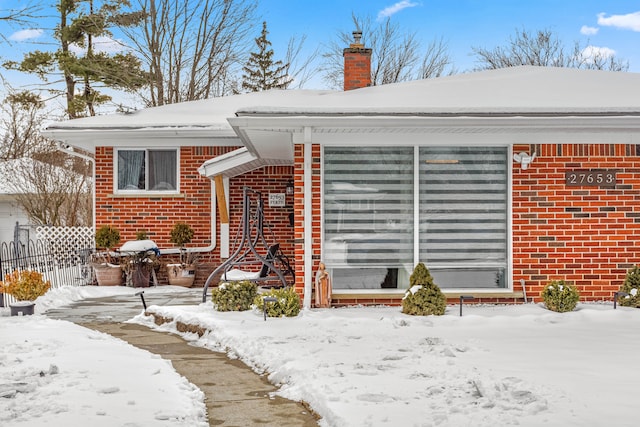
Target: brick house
[499,181]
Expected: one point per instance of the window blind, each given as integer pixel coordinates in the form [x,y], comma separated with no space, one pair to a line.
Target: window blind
[368,206]
[463,211]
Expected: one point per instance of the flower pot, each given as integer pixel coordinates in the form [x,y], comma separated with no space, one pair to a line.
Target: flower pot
[22,308]
[140,275]
[181,275]
[108,275]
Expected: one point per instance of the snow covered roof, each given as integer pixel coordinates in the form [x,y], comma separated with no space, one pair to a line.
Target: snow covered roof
[525,91]
[515,90]
[210,113]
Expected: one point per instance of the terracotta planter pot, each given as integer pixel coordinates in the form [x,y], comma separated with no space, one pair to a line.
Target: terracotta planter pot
[108,275]
[180,275]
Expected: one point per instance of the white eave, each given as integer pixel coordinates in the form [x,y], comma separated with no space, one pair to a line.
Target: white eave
[196,123]
[230,164]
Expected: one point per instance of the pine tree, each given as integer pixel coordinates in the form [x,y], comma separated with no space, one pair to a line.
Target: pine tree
[262,72]
[78,27]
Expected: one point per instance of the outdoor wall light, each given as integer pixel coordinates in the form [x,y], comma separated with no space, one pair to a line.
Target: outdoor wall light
[616,295]
[524,159]
[462,298]
[289,188]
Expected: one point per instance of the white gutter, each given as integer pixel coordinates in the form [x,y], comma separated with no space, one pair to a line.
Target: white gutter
[212,214]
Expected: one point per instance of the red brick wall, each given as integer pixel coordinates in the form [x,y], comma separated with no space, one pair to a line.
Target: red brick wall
[270,179]
[357,68]
[158,214]
[299,211]
[584,235]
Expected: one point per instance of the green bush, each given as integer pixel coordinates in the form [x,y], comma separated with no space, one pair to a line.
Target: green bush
[631,286]
[423,297]
[559,296]
[234,296]
[107,237]
[287,302]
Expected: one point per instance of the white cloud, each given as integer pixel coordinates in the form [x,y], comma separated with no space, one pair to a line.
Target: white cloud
[592,52]
[588,31]
[101,44]
[630,21]
[397,7]
[26,35]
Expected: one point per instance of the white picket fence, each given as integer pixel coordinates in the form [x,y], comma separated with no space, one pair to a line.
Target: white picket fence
[61,254]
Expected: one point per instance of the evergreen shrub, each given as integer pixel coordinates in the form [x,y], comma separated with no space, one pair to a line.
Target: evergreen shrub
[631,286]
[234,295]
[559,296]
[107,237]
[287,302]
[26,285]
[423,297]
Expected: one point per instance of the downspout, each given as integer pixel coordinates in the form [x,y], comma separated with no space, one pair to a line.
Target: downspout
[212,215]
[67,149]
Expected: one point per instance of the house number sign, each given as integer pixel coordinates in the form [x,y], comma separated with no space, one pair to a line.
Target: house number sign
[277,200]
[595,178]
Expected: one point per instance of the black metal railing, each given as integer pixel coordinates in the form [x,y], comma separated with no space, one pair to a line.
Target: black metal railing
[61,268]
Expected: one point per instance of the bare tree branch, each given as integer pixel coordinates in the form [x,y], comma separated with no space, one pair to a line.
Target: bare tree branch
[396,55]
[51,187]
[301,70]
[49,192]
[26,14]
[192,49]
[543,48]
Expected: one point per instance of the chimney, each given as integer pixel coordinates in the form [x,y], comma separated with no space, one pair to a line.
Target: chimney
[357,64]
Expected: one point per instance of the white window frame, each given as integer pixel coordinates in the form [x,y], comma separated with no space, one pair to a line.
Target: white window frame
[138,191]
[509,284]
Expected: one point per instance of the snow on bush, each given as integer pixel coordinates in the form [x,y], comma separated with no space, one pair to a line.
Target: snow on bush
[631,285]
[234,296]
[560,297]
[423,297]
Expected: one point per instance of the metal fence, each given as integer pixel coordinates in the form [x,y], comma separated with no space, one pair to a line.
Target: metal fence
[69,267]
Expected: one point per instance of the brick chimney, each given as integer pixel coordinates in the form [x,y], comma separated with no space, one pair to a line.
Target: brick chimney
[357,64]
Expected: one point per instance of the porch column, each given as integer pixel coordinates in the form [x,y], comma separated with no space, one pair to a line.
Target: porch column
[308,223]
[223,212]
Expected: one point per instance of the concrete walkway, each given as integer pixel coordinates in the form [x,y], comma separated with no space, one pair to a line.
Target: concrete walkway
[235,395]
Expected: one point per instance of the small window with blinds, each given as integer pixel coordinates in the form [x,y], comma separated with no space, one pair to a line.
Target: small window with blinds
[463,215]
[146,170]
[368,214]
[460,219]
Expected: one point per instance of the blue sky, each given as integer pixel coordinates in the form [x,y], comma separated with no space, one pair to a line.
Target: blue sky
[611,25]
[463,24]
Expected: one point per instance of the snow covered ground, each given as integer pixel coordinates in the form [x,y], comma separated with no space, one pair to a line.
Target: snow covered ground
[494,366]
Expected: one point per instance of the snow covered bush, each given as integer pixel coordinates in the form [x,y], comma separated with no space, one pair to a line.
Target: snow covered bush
[423,297]
[287,302]
[631,286]
[234,296]
[559,296]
